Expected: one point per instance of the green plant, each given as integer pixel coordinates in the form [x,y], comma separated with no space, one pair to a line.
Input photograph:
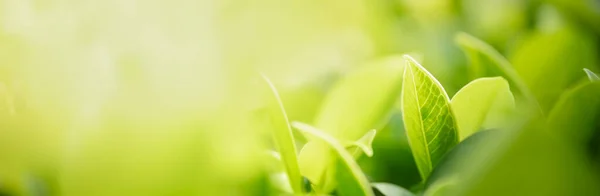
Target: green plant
[443,133]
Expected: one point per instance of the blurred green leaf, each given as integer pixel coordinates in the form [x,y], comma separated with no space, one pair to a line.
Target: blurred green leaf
[591,75]
[284,139]
[485,61]
[389,189]
[550,62]
[577,112]
[483,103]
[462,156]
[533,161]
[430,124]
[585,11]
[361,101]
[349,177]
[441,187]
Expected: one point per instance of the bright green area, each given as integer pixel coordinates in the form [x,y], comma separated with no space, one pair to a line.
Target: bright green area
[299,97]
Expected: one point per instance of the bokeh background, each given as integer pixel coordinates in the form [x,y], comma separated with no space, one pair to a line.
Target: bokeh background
[149,97]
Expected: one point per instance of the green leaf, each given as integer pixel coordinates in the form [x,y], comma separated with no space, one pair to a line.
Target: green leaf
[284,139]
[349,177]
[483,103]
[577,112]
[389,189]
[532,160]
[441,187]
[566,51]
[591,75]
[485,61]
[360,102]
[463,156]
[365,143]
[428,119]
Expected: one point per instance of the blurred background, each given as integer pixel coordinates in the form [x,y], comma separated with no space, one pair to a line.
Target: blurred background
[149,97]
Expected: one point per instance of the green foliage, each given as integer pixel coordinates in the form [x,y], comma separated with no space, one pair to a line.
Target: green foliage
[484,103]
[284,139]
[429,121]
[360,102]
[365,143]
[566,52]
[362,99]
[103,102]
[388,189]
[485,61]
[350,179]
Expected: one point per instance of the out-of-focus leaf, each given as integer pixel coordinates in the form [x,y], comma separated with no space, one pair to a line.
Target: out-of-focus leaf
[428,119]
[462,156]
[550,62]
[389,189]
[281,182]
[585,11]
[577,112]
[533,161]
[485,61]
[361,101]
[284,139]
[273,161]
[365,143]
[496,21]
[483,103]
[314,162]
[591,75]
[349,177]
[441,187]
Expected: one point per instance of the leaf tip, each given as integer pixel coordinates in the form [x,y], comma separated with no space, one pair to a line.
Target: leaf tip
[591,75]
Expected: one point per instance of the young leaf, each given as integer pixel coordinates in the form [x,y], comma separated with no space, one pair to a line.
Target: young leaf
[591,75]
[388,189]
[483,103]
[350,179]
[365,143]
[428,119]
[359,102]
[284,139]
[488,62]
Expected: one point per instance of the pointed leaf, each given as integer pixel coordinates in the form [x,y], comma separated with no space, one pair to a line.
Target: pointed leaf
[483,103]
[591,75]
[365,143]
[284,139]
[428,119]
[350,179]
[485,61]
[389,189]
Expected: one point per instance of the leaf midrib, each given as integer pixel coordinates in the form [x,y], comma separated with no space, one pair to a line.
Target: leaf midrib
[429,161]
